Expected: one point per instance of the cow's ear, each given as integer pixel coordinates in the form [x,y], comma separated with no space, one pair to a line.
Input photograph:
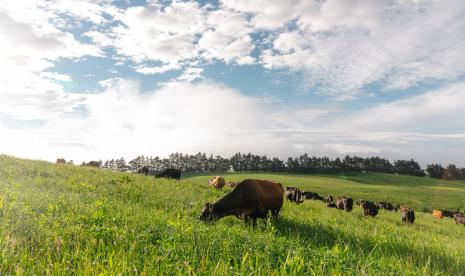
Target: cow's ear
[287,188]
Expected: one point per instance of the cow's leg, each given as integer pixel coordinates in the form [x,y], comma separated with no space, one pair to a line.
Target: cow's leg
[254,221]
[275,213]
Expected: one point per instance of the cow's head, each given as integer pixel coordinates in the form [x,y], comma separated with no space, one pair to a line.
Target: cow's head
[208,213]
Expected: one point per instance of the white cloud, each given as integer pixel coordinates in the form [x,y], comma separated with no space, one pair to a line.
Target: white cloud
[209,117]
[29,44]
[147,70]
[154,33]
[395,44]
[191,74]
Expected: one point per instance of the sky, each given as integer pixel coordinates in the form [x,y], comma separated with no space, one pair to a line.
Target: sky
[102,79]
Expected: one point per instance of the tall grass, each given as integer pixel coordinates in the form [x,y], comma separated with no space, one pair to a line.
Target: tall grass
[61,219]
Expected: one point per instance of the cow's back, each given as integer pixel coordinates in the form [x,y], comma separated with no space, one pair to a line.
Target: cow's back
[267,194]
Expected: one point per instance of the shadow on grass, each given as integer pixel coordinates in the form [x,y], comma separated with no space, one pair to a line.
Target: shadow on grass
[323,236]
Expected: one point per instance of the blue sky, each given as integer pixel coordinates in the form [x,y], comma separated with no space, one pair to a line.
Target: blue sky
[102,79]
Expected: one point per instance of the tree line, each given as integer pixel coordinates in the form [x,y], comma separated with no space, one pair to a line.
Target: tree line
[248,162]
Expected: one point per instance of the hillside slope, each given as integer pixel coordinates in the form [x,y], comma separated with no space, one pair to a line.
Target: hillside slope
[65,219]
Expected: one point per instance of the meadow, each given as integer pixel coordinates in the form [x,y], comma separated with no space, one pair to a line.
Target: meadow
[64,219]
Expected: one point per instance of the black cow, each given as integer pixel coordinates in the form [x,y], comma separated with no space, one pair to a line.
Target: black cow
[369,208]
[386,205]
[345,203]
[170,173]
[329,199]
[144,170]
[449,214]
[408,215]
[293,194]
[312,196]
[331,205]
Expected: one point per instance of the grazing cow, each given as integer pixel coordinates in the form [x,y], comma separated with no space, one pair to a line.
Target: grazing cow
[345,203]
[61,161]
[386,205]
[437,214]
[293,194]
[170,173]
[95,164]
[144,170]
[329,199]
[251,199]
[369,208]
[448,214]
[312,196]
[408,214]
[231,184]
[217,182]
[331,205]
[359,202]
[459,218]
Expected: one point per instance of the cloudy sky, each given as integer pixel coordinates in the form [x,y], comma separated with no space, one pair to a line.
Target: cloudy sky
[102,79]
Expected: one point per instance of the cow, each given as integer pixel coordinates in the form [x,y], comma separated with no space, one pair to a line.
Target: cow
[359,202]
[170,173]
[448,214]
[459,218]
[345,203]
[144,170]
[328,199]
[95,164]
[217,182]
[61,161]
[251,199]
[437,214]
[312,196]
[231,184]
[369,208]
[386,205]
[293,194]
[331,205]
[407,214]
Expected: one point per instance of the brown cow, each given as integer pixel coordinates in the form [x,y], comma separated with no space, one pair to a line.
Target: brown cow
[217,182]
[293,194]
[345,203]
[251,199]
[437,214]
[408,214]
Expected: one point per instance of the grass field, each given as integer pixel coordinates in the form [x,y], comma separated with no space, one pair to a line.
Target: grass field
[62,219]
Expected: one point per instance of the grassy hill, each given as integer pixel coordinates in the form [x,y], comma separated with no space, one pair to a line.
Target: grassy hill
[62,219]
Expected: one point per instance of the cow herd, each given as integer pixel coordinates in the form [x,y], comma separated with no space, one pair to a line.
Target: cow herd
[459,217]
[167,173]
[252,199]
[346,203]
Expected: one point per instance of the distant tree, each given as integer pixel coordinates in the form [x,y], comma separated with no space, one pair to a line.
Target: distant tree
[451,172]
[408,167]
[462,173]
[435,170]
